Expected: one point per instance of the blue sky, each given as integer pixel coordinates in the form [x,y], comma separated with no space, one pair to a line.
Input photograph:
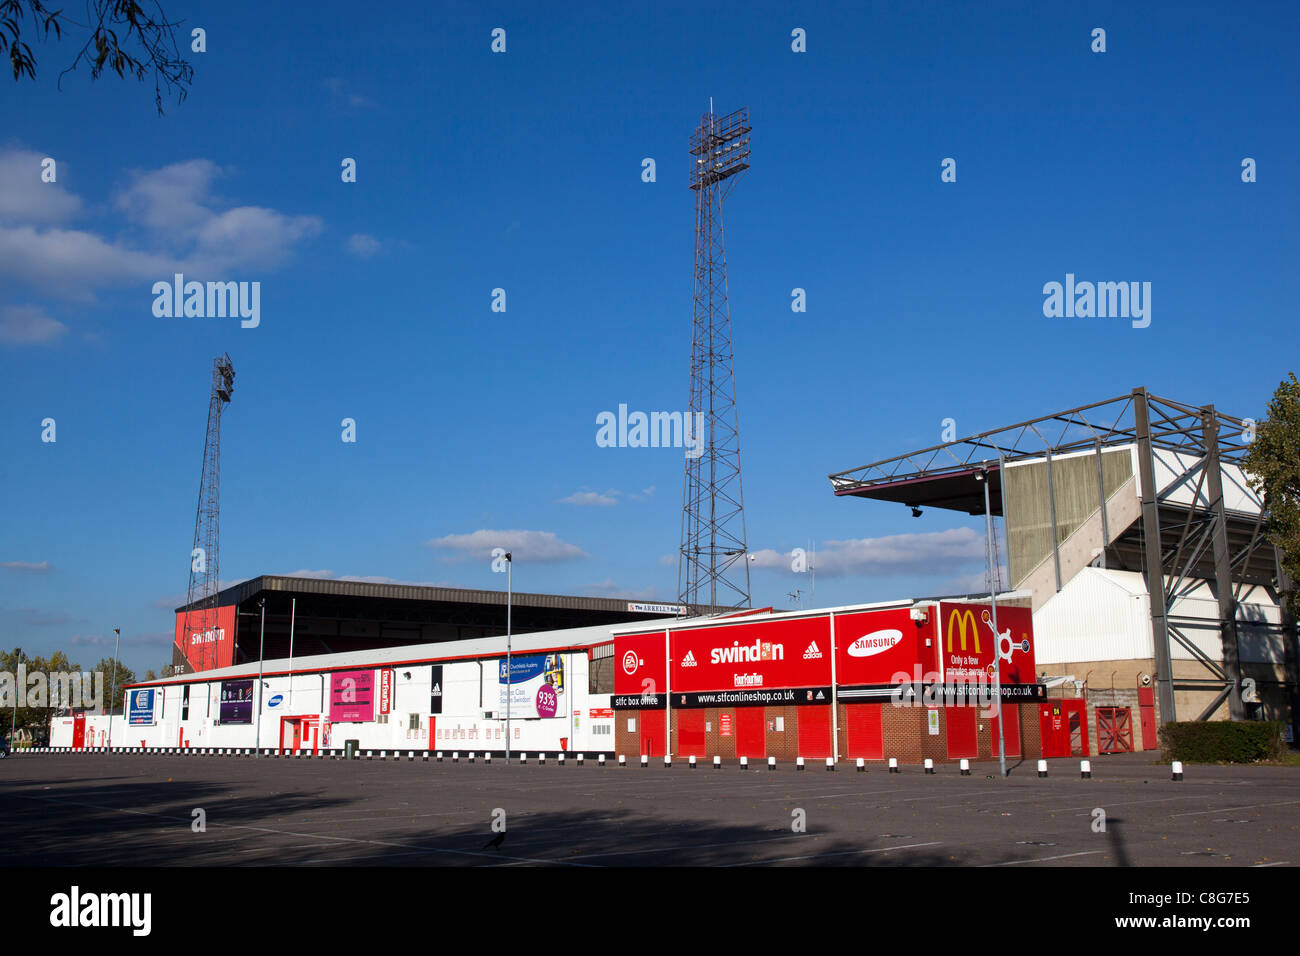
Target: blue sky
[522,171]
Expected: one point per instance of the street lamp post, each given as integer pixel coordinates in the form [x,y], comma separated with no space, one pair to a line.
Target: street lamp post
[117,640]
[997,638]
[509,583]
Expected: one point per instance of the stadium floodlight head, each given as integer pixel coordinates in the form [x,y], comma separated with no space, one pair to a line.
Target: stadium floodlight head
[719,147]
[916,512]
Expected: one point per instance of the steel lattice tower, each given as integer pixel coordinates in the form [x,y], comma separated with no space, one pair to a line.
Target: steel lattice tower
[713,516]
[201,601]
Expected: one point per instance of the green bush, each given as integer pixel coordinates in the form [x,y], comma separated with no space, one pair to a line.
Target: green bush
[1221,741]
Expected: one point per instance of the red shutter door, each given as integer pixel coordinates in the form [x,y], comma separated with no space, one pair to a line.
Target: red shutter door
[751,732]
[690,733]
[652,732]
[814,732]
[865,732]
[1011,735]
[962,741]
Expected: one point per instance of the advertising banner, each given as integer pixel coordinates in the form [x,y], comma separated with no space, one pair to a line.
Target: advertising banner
[639,664]
[756,654]
[968,646]
[236,706]
[385,690]
[206,638]
[352,696]
[141,708]
[535,686]
[435,691]
[872,647]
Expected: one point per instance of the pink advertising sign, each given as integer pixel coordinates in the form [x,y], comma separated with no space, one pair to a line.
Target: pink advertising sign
[352,696]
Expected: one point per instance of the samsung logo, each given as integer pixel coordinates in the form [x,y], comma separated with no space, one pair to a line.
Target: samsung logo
[877,642]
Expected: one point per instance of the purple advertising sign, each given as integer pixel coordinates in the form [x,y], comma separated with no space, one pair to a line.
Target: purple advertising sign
[236,702]
[548,702]
[352,696]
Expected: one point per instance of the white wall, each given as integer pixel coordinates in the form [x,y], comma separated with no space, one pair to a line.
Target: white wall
[469,694]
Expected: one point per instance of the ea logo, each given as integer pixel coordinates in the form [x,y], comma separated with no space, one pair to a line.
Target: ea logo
[630,663]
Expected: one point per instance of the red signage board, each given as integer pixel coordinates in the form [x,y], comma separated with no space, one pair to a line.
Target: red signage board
[967,645]
[875,647]
[206,638]
[754,654]
[639,664]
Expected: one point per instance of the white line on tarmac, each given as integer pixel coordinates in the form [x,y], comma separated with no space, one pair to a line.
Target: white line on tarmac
[1044,859]
[820,856]
[1197,813]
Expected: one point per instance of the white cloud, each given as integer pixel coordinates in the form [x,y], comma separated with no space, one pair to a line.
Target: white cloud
[174,223]
[26,567]
[589,498]
[28,325]
[24,198]
[540,546]
[935,552]
[363,245]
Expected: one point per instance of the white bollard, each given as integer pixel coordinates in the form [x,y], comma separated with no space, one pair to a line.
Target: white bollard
[487,756]
[929,765]
[893,765]
[965,767]
[523,757]
[455,756]
[645,760]
[771,763]
[559,758]
[798,763]
[1178,770]
[1042,768]
[580,758]
[471,756]
[717,762]
[541,758]
[691,761]
[439,756]
[668,761]
[744,763]
[830,763]
[862,765]
[1085,769]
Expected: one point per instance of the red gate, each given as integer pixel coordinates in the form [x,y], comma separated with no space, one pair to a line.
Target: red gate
[1114,730]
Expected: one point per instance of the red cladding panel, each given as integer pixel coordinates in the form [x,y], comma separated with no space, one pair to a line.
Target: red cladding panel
[210,642]
[639,663]
[767,653]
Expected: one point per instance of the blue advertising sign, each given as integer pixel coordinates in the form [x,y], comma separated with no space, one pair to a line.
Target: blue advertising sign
[140,707]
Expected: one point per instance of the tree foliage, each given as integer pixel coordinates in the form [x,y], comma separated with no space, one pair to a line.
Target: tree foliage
[1273,464]
[118,34]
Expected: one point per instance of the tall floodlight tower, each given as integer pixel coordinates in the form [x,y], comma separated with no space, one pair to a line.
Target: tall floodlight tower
[201,601]
[713,568]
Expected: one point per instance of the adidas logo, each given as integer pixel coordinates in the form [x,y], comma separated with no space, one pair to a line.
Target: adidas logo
[813,653]
[688,660]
